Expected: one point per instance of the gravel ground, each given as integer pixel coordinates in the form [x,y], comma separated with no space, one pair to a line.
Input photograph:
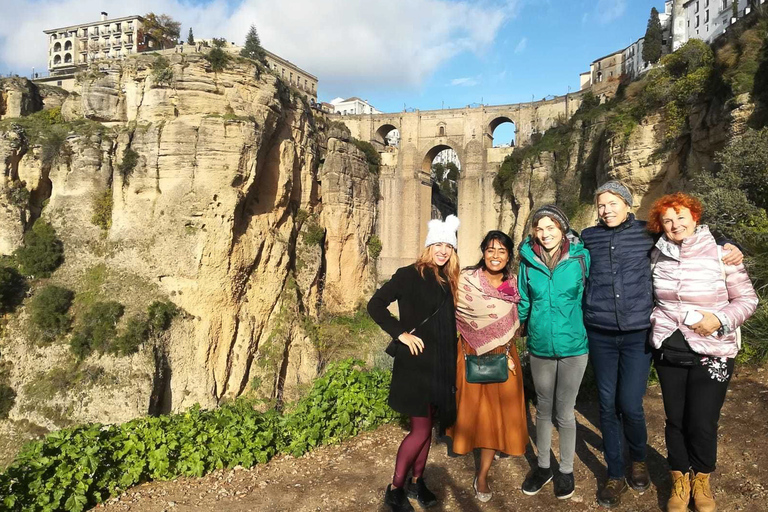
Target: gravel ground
[354,474]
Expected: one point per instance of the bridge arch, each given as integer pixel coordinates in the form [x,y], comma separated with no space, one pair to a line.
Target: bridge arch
[429,157]
[384,132]
[507,131]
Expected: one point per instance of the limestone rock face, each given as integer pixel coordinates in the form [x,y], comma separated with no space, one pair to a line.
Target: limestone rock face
[211,216]
[349,216]
[18,97]
[640,160]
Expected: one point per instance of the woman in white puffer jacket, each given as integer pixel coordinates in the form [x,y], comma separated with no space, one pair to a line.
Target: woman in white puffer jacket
[699,306]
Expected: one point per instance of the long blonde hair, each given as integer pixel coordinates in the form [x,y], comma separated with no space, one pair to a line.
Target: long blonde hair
[452,270]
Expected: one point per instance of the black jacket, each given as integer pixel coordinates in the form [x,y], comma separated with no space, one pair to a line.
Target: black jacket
[619,288]
[430,377]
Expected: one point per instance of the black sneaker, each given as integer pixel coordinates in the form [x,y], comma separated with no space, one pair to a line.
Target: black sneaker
[610,495]
[421,493]
[397,500]
[536,479]
[564,485]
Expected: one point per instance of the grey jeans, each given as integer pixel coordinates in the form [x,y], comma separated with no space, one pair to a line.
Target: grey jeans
[557,382]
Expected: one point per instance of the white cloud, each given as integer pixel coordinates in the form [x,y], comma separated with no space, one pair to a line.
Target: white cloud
[520,48]
[467,81]
[351,42]
[609,10]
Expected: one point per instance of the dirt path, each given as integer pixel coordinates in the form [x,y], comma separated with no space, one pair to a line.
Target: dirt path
[353,475]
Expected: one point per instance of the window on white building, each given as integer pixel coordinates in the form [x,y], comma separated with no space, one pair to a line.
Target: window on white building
[697,23]
[706,16]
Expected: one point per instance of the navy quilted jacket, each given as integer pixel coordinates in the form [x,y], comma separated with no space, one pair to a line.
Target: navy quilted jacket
[619,288]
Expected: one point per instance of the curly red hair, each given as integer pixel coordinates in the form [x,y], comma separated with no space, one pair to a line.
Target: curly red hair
[674,201]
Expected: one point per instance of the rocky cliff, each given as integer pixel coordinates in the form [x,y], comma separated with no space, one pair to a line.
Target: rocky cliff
[226,195]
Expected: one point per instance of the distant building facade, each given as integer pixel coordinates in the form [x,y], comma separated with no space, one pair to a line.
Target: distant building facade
[681,21]
[353,106]
[77,45]
[294,75]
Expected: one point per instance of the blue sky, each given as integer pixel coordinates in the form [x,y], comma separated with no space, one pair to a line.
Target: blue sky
[414,53]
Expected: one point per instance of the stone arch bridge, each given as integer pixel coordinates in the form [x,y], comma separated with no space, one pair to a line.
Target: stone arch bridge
[405,183]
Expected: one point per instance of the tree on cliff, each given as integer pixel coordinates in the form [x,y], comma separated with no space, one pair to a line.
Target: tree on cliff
[162,29]
[252,49]
[653,38]
[190,37]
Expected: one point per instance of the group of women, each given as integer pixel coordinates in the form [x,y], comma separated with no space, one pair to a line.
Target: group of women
[618,295]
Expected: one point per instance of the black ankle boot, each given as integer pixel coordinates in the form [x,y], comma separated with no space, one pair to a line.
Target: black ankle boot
[397,500]
[419,490]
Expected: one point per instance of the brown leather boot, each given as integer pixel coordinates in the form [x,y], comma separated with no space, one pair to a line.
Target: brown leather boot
[610,495]
[703,497]
[681,492]
[639,479]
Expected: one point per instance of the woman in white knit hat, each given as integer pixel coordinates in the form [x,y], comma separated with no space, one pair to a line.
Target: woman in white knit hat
[424,372]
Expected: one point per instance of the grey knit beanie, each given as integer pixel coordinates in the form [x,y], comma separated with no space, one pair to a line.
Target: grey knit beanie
[554,212]
[617,188]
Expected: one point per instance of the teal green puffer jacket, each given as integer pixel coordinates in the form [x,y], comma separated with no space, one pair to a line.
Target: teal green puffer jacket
[551,301]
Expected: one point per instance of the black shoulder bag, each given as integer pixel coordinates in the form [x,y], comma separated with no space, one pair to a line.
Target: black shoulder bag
[391,349]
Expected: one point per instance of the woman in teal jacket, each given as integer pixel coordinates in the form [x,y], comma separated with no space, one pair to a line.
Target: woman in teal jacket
[553,269]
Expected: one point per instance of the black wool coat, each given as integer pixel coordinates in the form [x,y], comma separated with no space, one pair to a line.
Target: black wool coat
[428,378]
[619,294]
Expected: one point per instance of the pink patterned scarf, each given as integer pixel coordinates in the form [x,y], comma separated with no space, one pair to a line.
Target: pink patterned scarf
[486,316]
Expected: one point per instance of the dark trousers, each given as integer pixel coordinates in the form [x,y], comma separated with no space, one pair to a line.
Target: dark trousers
[621,361]
[693,397]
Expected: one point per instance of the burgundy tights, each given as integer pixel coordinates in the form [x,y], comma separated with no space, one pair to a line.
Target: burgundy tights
[414,449]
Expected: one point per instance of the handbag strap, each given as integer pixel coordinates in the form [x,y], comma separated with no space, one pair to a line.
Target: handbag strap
[430,316]
[464,350]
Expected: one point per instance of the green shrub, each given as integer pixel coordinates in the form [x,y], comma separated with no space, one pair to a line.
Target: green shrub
[140,328]
[371,155]
[48,312]
[218,59]
[374,246]
[162,72]
[42,252]
[313,232]
[17,194]
[102,209]
[96,329]
[76,468]
[128,164]
[12,288]
[160,314]
[688,58]
[135,334]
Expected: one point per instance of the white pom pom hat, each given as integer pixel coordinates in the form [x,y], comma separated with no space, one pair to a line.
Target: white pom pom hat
[443,232]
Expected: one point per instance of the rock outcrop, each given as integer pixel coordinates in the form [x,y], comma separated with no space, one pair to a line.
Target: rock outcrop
[214,178]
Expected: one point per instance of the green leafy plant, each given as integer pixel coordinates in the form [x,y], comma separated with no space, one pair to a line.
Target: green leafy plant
[371,155]
[374,246]
[42,252]
[75,468]
[48,312]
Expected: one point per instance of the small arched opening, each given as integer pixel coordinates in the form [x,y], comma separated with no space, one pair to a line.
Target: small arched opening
[67,58]
[502,131]
[388,135]
[68,46]
[57,47]
[57,60]
[443,165]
